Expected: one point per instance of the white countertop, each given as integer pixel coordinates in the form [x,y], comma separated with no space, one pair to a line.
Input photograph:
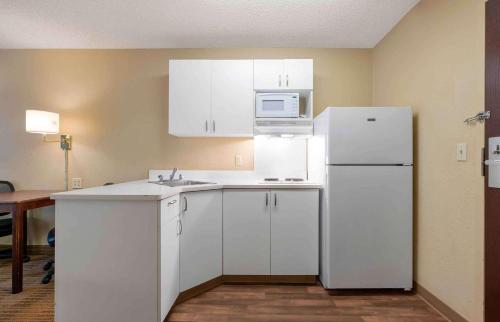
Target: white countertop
[143,190]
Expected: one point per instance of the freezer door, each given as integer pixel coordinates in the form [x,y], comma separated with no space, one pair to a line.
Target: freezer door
[372,135]
[370,225]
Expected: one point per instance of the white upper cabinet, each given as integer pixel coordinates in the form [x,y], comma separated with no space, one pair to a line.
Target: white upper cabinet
[211,98]
[268,73]
[299,73]
[279,74]
[232,98]
[189,97]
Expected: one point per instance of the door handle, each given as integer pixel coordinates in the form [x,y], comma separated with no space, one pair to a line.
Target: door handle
[179,225]
[275,200]
[279,81]
[206,125]
[286,80]
[267,199]
[492,162]
[185,204]
[213,125]
[171,202]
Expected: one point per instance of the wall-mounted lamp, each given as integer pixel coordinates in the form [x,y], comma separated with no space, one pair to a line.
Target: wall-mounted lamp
[42,122]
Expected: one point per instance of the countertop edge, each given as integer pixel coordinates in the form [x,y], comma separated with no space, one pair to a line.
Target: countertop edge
[177,190]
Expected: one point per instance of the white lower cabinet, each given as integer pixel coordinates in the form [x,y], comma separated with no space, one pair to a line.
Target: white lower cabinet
[271,232]
[200,238]
[169,254]
[246,232]
[294,232]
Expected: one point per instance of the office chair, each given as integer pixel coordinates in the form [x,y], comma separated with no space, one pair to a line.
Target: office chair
[49,266]
[6,223]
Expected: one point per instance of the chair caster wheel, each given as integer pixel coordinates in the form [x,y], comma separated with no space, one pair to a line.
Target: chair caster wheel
[47,266]
[46,279]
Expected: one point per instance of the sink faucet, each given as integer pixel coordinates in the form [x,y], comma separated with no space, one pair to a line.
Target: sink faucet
[172,175]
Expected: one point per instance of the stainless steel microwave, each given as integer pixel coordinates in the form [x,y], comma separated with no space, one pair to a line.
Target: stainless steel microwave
[277,105]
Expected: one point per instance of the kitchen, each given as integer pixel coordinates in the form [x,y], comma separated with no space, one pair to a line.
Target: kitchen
[257,229]
[201,174]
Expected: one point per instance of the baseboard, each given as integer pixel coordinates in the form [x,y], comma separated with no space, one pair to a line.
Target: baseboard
[199,289]
[270,279]
[35,249]
[439,305]
[40,250]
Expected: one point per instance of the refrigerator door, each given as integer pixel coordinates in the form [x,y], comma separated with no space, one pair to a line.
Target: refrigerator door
[370,227]
[370,135]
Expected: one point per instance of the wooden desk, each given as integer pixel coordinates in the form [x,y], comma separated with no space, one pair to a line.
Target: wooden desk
[18,203]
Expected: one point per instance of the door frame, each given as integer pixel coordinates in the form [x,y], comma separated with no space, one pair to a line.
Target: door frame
[492,195]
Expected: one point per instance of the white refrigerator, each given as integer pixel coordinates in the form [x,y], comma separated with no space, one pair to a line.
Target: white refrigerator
[364,157]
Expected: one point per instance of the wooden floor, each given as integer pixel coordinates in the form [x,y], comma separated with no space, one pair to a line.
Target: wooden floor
[229,303]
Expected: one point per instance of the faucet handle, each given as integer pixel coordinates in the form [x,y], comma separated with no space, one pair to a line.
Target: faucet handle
[160,177]
[180,176]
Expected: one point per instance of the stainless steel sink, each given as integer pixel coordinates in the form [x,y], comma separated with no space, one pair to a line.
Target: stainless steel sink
[177,183]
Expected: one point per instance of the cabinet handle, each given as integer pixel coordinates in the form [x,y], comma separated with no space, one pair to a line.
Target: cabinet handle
[275,200]
[213,125]
[267,199]
[286,80]
[171,202]
[185,204]
[179,225]
[206,125]
[279,81]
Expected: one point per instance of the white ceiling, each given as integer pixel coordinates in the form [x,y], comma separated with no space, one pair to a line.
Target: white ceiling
[197,23]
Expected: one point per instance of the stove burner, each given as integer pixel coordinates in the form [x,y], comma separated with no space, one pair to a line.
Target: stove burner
[294,179]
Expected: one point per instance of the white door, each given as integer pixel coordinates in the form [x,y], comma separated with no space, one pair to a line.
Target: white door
[294,232]
[201,237]
[232,98]
[370,135]
[246,229]
[189,97]
[268,74]
[169,263]
[298,74]
[370,227]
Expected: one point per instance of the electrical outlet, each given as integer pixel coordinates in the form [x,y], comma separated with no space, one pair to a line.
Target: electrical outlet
[76,183]
[238,160]
[462,152]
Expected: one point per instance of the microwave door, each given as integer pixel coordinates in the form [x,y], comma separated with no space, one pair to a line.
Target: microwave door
[273,107]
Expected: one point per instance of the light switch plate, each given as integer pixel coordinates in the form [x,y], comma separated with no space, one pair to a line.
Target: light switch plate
[238,160]
[76,183]
[462,152]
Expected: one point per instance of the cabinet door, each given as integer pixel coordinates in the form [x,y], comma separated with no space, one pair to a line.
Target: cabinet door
[189,97]
[298,74]
[246,229]
[169,255]
[294,232]
[268,74]
[201,237]
[232,98]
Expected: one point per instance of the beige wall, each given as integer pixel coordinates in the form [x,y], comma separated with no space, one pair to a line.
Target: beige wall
[433,60]
[115,103]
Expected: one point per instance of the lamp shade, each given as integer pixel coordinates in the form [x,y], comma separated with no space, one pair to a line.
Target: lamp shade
[42,122]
